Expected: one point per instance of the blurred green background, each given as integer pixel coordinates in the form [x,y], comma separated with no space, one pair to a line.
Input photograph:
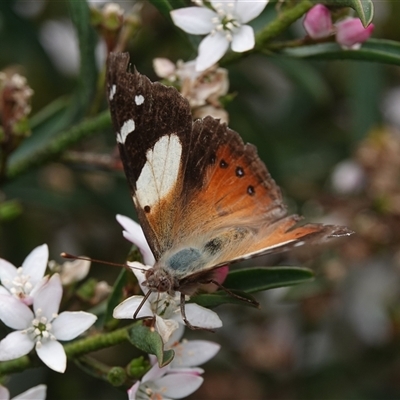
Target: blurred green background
[328,132]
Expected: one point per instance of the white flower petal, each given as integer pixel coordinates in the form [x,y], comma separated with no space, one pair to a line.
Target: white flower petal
[165,327]
[7,272]
[48,297]
[4,291]
[70,324]
[15,345]
[127,309]
[211,49]
[132,391]
[189,370]
[38,286]
[176,336]
[53,355]
[139,269]
[194,20]
[193,353]
[243,39]
[200,316]
[224,6]
[14,313]
[155,372]
[134,233]
[248,10]
[35,263]
[36,393]
[4,393]
[178,386]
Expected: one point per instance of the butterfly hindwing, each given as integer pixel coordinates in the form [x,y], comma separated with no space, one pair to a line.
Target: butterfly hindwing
[233,209]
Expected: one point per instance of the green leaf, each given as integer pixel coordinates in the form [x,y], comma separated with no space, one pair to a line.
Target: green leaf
[251,280]
[211,300]
[165,6]
[377,50]
[116,296]
[364,8]
[80,15]
[149,341]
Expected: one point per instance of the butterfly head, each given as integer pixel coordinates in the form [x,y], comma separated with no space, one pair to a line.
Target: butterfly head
[159,280]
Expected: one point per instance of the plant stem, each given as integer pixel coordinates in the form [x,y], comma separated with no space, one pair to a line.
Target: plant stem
[73,350]
[59,144]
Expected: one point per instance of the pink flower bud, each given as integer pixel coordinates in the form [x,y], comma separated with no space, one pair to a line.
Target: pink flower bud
[318,22]
[350,33]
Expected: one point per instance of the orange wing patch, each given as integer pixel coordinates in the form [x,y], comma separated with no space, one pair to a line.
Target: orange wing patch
[238,190]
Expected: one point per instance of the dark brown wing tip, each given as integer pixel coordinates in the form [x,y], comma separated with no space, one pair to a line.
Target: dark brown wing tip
[118,61]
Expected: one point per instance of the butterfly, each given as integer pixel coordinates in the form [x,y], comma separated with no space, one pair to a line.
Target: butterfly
[203,198]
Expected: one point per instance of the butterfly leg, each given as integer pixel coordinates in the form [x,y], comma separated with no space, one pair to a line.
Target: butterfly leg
[187,323]
[146,296]
[251,301]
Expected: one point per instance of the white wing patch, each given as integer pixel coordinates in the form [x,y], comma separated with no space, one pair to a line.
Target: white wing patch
[139,100]
[127,128]
[112,92]
[160,172]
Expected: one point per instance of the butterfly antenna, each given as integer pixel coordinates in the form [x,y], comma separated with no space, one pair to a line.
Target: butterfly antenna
[72,257]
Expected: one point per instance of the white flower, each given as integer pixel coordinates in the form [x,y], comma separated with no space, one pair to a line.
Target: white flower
[165,309]
[24,281]
[134,233]
[159,384]
[224,26]
[36,393]
[42,328]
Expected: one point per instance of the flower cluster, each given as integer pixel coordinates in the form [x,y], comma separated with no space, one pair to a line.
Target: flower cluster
[179,378]
[15,104]
[203,89]
[40,327]
[350,33]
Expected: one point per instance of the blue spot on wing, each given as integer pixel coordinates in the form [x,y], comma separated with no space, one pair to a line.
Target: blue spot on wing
[186,259]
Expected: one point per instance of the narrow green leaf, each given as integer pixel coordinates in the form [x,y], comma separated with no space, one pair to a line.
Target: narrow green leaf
[149,341]
[165,6]
[251,280]
[80,15]
[116,296]
[211,300]
[377,50]
[364,8]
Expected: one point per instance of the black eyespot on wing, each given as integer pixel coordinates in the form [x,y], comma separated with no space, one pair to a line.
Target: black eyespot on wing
[223,164]
[239,172]
[146,209]
[250,190]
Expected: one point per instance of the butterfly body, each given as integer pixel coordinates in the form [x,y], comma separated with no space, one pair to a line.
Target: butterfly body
[203,197]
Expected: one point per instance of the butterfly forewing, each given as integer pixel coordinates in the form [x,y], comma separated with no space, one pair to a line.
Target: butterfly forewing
[152,126]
